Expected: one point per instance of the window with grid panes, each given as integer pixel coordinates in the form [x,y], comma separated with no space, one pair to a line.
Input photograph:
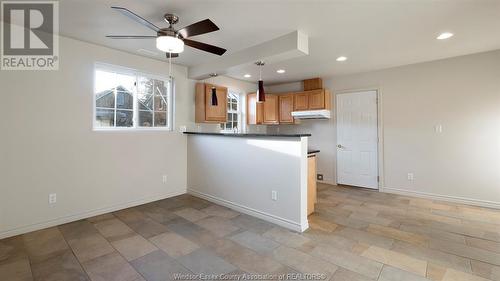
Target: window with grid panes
[233,113]
[125,99]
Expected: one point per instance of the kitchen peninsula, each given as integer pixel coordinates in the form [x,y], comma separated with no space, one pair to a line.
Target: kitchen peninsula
[263,175]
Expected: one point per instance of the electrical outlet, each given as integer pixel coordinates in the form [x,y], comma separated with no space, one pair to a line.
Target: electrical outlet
[319,177]
[274,195]
[438,128]
[164,179]
[52,198]
[410,176]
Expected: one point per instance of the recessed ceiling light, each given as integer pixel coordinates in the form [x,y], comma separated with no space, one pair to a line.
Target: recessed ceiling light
[247,75]
[444,35]
[342,58]
[280,71]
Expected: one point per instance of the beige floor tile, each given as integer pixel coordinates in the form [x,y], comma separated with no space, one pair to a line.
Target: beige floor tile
[397,260]
[397,234]
[220,227]
[147,227]
[111,267]
[485,270]
[102,217]
[219,211]
[43,244]
[374,219]
[348,260]
[326,238]
[435,272]
[454,275]
[390,273]
[343,274]
[90,247]
[191,214]
[483,244]
[134,247]
[17,270]
[303,262]
[246,259]
[113,229]
[318,223]
[466,251]
[365,237]
[286,237]
[64,267]
[12,249]
[433,256]
[173,244]
[433,233]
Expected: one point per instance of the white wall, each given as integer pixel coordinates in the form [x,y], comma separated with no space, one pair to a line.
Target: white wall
[241,173]
[462,94]
[48,146]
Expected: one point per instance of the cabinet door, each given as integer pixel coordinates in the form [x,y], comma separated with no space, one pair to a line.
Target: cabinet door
[301,101]
[271,108]
[286,108]
[216,113]
[317,99]
[254,110]
[311,184]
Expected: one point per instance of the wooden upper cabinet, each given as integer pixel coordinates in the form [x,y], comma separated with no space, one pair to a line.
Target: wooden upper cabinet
[286,108]
[271,109]
[301,101]
[205,112]
[317,99]
[254,110]
[313,84]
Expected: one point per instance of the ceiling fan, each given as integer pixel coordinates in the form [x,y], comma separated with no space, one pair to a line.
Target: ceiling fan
[170,40]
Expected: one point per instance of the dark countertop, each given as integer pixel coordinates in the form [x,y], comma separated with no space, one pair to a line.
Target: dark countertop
[312,151]
[237,135]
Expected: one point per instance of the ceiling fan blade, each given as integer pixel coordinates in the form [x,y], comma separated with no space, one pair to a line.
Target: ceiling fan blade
[205,47]
[173,55]
[131,36]
[201,27]
[137,18]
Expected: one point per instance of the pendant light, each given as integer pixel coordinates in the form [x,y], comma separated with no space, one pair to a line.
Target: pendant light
[261,95]
[215,102]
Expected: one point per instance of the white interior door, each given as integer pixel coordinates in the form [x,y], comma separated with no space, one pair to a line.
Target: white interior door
[357,157]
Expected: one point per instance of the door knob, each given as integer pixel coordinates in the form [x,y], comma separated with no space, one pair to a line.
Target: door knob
[339,145]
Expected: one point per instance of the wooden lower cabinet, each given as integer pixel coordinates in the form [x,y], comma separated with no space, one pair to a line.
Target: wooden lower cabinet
[311,184]
[286,108]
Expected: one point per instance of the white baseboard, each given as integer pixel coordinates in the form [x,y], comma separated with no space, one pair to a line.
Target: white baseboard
[252,212]
[448,198]
[87,214]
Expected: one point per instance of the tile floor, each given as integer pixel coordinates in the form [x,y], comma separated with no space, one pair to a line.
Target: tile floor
[355,234]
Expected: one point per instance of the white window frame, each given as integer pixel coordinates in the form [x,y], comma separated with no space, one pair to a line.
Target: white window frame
[133,72]
[239,111]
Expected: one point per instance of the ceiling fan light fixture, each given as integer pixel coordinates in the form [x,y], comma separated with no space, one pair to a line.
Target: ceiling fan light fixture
[170,44]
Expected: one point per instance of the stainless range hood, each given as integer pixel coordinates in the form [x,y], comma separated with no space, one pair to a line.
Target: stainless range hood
[312,114]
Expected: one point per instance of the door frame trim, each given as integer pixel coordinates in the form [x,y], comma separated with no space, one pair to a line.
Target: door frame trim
[380,132]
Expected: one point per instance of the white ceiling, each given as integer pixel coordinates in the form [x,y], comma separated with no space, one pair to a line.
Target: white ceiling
[373,34]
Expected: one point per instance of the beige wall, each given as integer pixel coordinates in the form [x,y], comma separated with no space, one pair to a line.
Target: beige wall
[48,146]
[462,94]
